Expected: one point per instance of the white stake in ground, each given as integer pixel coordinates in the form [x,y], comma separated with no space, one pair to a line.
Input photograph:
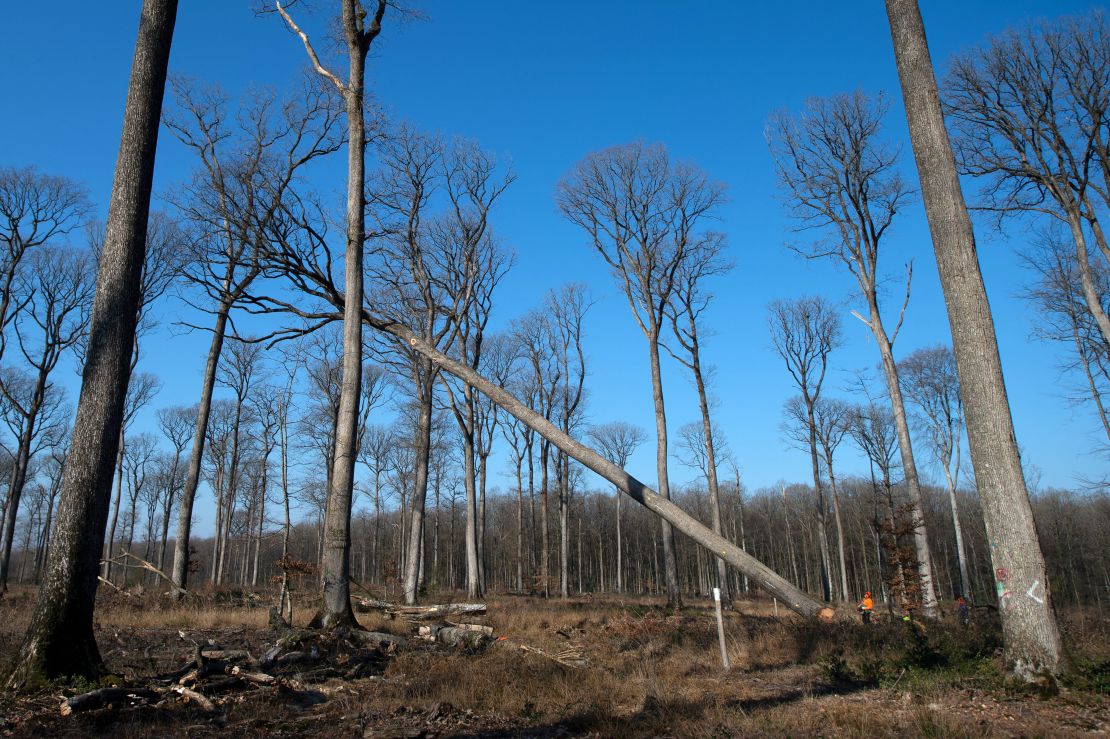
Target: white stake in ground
[721,627]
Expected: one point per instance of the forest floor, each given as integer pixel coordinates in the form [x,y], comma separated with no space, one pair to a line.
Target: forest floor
[587,666]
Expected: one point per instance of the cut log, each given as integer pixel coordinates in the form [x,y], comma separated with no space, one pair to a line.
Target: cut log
[105,696]
[195,697]
[487,630]
[260,678]
[454,636]
[420,613]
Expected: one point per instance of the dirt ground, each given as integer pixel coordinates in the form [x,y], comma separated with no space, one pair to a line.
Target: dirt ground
[605,666]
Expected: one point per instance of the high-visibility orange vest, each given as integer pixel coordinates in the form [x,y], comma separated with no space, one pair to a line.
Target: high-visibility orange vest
[868,604]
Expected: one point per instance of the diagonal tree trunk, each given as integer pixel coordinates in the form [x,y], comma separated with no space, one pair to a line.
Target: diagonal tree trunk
[60,638]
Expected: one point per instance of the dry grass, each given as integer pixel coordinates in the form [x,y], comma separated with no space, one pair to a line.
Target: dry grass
[650,673]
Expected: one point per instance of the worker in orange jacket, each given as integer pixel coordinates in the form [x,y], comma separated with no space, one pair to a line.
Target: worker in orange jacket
[866,606]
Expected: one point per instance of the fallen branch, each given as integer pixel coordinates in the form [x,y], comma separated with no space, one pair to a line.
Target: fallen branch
[105,696]
[568,657]
[119,560]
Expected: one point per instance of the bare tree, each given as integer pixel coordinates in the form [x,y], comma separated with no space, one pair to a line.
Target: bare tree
[704,260]
[1032,640]
[1061,314]
[617,441]
[35,210]
[567,309]
[60,638]
[359,30]
[245,174]
[643,214]
[51,319]
[176,424]
[832,419]
[1029,112]
[840,180]
[805,332]
[933,386]
[140,392]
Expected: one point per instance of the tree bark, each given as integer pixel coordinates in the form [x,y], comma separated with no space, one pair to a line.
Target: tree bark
[60,638]
[196,456]
[1032,641]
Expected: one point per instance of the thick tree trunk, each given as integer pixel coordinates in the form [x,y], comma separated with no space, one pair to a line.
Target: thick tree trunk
[336,561]
[1032,641]
[60,638]
[196,456]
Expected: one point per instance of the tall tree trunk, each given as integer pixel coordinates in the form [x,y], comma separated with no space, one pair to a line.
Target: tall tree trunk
[15,489]
[336,563]
[710,468]
[909,467]
[421,461]
[111,541]
[60,638]
[473,581]
[1032,640]
[822,506]
[670,563]
[196,456]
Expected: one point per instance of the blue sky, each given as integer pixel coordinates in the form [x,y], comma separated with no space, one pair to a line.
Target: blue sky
[542,84]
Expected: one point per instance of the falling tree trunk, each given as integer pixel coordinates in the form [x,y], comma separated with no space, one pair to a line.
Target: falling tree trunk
[1032,640]
[196,456]
[662,507]
[60,638]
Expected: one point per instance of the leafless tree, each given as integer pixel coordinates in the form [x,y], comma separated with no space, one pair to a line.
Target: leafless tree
[832,420]
[60,638]
[1032,640]
[359,29]
[617,441]
[245,174]
[176,424]
[643,215]
[703,260]
[1061,314]
[805,332]
[51,319]
[842,181]
[931,383]
[1029,114]
[35,210]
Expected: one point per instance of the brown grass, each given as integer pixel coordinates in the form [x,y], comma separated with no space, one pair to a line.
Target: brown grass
[650,673]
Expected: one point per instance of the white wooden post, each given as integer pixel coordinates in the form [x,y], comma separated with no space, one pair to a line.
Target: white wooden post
[721,627]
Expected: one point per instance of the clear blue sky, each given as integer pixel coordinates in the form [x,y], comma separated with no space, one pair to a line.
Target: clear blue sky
[542,84]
